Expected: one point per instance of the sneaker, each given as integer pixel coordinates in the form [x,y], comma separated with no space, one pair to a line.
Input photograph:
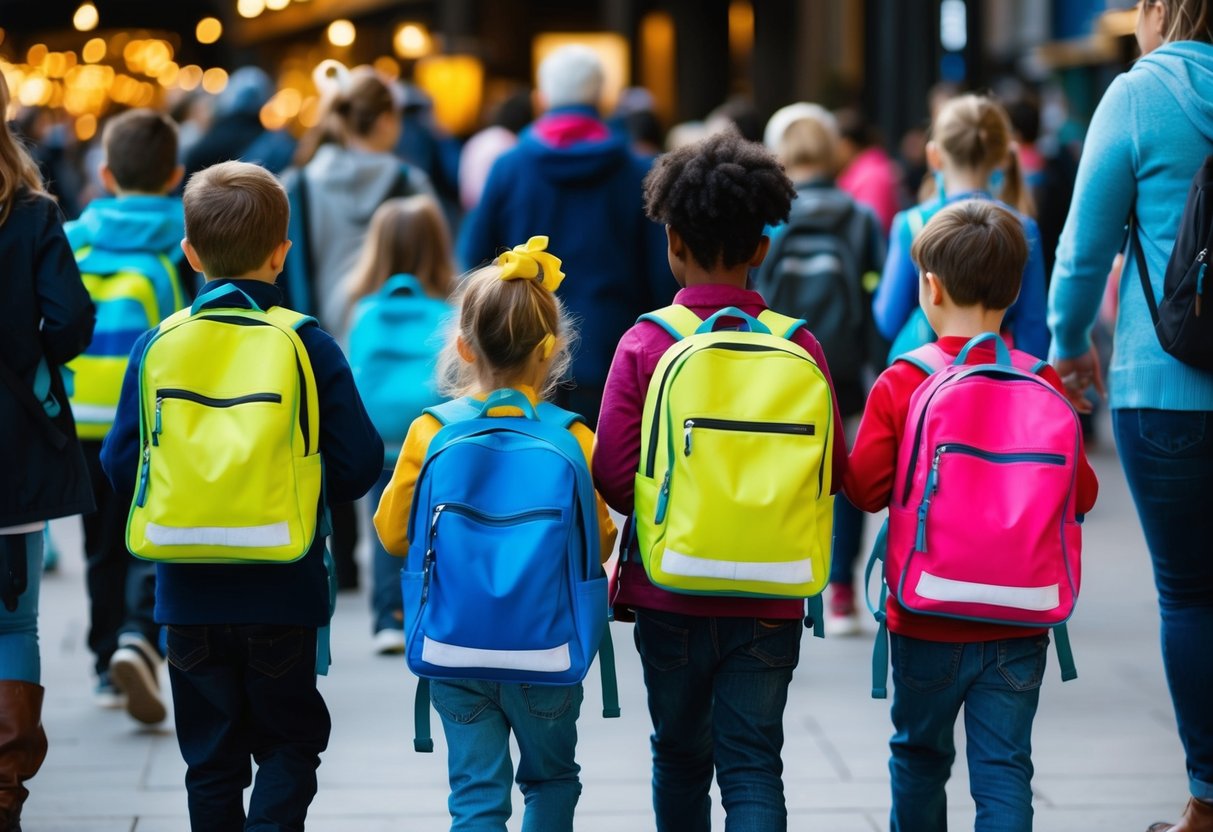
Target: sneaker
[135,667]
[842,619]
[389,642]
[106,694]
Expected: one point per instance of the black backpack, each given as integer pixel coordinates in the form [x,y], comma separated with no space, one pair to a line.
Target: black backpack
[813,271]
[1181,320]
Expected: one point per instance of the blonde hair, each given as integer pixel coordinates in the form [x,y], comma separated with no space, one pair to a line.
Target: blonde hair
[17,169]
[809,142]
[974,133]
[406,236]
[235,215]
[1187,20]
[503,322]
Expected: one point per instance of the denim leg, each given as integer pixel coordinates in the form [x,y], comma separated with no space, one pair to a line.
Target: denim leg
[544,719]
[848,536]
[387,601]
[212,725]
[19,657]
[141,601]
[999,709]
[927,694]
[478,753]
[289,724]
[106,561]
[751,691]
[1168,461]
[678,659]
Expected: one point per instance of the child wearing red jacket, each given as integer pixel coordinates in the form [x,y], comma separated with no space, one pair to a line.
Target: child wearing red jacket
[971,258]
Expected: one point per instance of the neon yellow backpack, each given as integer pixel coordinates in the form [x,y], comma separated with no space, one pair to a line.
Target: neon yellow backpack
[133,292]
[229,424]
[733,491]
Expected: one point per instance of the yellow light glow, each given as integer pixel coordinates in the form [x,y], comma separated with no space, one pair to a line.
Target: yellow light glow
[35,91]
[93,51]
[2,34]
[271,119]
[612,50]
[214,80]
[657,51]
[86,18]
[412,41]
[208,30]
[190,77]
[309,113]
[341,33]
[250,8]
[277,5]
[36,54]
[456,83]
[169,74]
[86,127]
[387,65]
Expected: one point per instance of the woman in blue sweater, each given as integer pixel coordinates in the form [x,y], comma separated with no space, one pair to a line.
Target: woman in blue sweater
[1148,137]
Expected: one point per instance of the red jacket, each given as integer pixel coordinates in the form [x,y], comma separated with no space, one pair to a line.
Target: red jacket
[617,450]
[868,483]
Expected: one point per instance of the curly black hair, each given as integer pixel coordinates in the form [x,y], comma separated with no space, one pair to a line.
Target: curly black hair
[719,194]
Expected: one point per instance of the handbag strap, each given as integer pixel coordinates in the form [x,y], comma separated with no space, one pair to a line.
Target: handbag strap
[1143,270]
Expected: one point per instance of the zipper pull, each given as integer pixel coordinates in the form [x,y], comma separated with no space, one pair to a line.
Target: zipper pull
[428,561]
[687,427]
[663,499]
[933,477]
[156,426]
[144,473]
[1200,280]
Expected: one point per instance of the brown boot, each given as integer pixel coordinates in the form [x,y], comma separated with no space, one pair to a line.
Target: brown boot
[22,746]
[1198,817]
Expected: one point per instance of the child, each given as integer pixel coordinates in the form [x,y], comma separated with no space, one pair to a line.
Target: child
[717,669]
[128,249]
[512,333]
[392,330]
[242,638]
[973,158]
[971,256]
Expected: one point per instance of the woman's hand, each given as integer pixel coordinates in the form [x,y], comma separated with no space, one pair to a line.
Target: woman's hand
[1078,374]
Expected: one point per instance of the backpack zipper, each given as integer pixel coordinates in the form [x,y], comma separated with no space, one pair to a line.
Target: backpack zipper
[1200,278]
[207,401]
[786,428]
[145,470]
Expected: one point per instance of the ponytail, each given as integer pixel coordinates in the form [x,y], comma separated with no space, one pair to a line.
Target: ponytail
[1015,190]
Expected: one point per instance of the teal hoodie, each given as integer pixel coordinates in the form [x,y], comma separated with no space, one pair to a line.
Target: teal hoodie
[154,224]
[1148,137]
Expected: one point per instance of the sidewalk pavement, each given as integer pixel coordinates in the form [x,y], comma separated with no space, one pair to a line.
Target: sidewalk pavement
[1106,753]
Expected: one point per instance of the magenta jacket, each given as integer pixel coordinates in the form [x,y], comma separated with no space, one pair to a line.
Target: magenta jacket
[617,451]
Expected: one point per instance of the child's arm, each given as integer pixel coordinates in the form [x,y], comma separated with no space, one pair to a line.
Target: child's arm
[1027,317]
[868,481]
[606,526]
[392,514]
[617,447]
[68,315]
[120,450]
[897,294]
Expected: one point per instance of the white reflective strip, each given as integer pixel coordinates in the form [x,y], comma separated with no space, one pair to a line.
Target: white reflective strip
[242,537]
[789,572]
[96,413]
[440,654]
[1017,597]
[24,528]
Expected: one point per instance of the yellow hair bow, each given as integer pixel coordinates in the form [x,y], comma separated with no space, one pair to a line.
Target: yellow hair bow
[530,261]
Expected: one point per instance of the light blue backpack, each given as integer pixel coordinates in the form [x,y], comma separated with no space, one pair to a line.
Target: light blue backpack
[393,352]
[503,580]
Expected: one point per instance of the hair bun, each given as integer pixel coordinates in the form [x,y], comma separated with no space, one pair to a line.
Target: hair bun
[332,78]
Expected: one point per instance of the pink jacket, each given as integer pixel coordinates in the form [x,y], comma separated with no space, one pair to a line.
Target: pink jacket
[617,451]
[872,179]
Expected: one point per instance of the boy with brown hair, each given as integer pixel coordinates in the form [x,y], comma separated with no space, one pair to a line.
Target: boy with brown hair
[127,248]
[242,637]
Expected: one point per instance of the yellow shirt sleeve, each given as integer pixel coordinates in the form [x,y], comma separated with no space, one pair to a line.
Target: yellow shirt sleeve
[606,526]
[392,515]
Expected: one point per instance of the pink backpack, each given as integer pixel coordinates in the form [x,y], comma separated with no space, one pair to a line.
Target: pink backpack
[982,523]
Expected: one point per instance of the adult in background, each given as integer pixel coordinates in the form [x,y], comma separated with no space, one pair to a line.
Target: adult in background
[509,117]
[865,170]
[1147,139]
[236,131]
[574,180]
[46,319]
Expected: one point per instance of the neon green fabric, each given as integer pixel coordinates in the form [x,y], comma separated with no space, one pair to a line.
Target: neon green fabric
[229,424]
[733,491]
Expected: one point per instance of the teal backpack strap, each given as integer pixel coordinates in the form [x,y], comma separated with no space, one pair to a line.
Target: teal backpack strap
[558,416]
[423,742]
[815,615]
[1039,366]
[782,325]
[678,321]
[324,528]
[458,410]
[1065,656]
[880,647]
[929,358]
[606,666]
[915,220]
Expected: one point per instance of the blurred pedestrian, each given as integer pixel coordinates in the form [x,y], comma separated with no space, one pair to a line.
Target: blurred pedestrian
[482,150]
[865,170]
[46,319]
[235,130]
[1148,138]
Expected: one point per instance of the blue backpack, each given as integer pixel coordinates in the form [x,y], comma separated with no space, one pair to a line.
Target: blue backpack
[503,581]
[393,355]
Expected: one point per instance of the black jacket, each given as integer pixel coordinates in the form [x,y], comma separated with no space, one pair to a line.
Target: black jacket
[45,313]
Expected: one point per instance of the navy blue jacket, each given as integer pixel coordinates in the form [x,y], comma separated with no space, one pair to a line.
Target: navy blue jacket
[587,198]
[292,593]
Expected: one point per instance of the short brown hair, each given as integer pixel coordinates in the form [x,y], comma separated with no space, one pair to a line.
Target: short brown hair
[141,150]
[235,214]
[978,251]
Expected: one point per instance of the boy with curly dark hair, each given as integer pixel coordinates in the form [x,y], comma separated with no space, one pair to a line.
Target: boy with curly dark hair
[717,668]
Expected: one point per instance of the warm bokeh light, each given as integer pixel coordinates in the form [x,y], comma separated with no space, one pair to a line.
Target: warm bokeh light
[341,33]
[214,80]
[86,127]
[208,30]
[612,49]
[412,41]
[277,5]
[456,83]
[36,54]
[86,18]
[93,51]
[387,65]
[250,8]
[189,77]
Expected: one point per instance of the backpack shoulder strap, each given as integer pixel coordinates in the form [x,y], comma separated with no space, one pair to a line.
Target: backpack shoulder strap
[456,410]
[915,220]
[678,321]
[929,358]
[289,322]
[558,416]
[781,325]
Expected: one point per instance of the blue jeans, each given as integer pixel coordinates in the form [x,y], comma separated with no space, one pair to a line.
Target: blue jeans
[1168,460]
[19,658]
[241,692]
[717,689]
[477,718]
[998,683]
[387,601]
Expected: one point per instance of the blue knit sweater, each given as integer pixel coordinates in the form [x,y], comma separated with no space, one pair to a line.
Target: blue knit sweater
[1148,137]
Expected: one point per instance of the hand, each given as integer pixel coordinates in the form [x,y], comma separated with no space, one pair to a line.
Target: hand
[1077,375]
